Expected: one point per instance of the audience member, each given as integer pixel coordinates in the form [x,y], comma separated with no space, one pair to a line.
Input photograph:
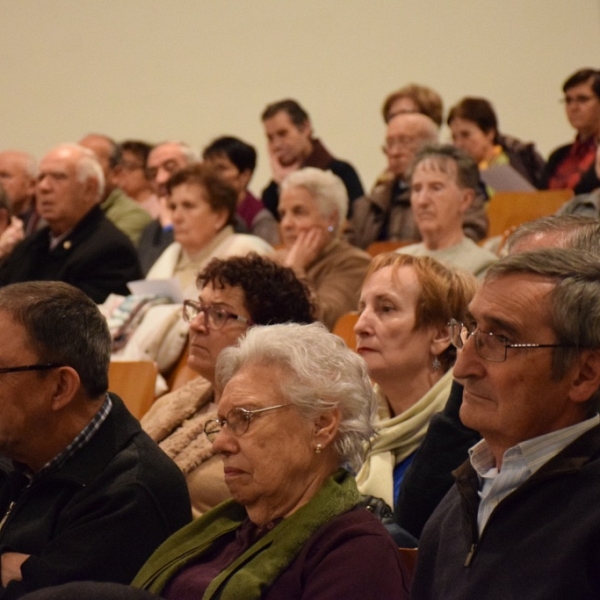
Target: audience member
[414,98]
[89,495]
[292,146]
[312,210]
[402,334]
[585,204]
[443,184]
[235,294]
[18,171]
[289,424]
[386,214]
[203,206]
[446,443]
[164,161]
[572,166]
[80,245]
[132,178]
[474,127]
[235,162]
[531,378]
[11,229]
[119,208]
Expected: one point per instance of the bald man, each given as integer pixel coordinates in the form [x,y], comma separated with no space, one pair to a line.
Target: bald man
[386,214]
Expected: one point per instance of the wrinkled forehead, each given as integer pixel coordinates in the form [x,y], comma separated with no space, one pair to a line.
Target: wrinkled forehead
[436,164]
[167,153]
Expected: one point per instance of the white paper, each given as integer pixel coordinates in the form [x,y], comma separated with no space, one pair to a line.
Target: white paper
[504,178]
[159,287]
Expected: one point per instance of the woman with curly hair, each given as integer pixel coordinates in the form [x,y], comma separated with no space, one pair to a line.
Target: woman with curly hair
[235,294]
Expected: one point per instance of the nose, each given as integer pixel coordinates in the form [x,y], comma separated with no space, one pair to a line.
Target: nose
[468,363]
[43,182]
[363,325]
[198,323]
[225,442]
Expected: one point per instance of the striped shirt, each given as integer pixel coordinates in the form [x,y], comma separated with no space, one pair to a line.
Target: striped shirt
[81,439]
[519,463]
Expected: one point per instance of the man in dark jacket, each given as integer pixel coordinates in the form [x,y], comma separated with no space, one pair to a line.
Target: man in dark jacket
[522,520]
[292,147]
[79,245]
[87,495]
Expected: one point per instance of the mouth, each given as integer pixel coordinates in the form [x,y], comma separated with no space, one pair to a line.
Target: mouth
[232,473]
[365,350]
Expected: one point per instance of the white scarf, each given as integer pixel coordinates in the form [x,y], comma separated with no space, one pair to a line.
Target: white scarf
[397,438]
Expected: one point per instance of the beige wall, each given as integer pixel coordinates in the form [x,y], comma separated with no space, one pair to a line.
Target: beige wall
[196,69]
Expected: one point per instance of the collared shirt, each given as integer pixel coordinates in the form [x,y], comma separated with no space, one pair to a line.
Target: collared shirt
[519,463]
[579,159]
[81,439]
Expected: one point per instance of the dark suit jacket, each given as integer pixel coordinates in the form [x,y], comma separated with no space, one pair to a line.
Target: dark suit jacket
[96,257]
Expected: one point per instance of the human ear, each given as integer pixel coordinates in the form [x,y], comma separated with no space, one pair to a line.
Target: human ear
[66,386]
[587,376]
[440,340]
[467,199]
[326,427]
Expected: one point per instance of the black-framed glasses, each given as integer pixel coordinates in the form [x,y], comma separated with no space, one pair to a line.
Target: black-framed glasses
[237,420]
[40,367]
[490,346]
[214,316]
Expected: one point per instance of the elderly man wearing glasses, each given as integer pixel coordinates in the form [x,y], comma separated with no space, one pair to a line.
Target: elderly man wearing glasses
[522,519]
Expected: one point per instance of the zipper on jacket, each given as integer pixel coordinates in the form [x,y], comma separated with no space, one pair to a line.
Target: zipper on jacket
[5,517]
[470,555]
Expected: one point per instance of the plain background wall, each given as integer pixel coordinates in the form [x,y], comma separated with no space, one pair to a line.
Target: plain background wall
[197,69]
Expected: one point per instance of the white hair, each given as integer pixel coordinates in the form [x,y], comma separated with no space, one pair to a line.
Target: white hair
[325,187]
[190,154]
[87,165]
[319,373]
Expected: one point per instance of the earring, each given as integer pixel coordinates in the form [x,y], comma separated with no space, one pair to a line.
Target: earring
[318,449]
[436,364]
[330,229]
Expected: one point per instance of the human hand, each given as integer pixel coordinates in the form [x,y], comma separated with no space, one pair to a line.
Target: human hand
[306,248]
[11,236]
[279,171]
[11,566]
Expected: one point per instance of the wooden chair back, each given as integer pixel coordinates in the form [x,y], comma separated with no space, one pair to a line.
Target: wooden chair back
[133,382]
[180,374]
[409,556]
[507,210]
[344,327]
[376,248]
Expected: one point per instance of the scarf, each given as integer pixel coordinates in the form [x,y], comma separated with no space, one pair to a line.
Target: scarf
[397,438]
[176,423]
[256,569]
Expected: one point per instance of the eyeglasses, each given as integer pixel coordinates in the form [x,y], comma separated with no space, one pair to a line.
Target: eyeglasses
[490,346]
[237,420]
[42,367]
[214,317]
[568,100]
[403,141]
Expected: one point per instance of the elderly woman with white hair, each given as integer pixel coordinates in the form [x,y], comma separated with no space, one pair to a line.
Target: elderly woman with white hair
[312,207]
[294,415]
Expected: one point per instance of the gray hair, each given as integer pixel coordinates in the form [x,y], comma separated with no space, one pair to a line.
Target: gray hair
[325,187]
[87,165]
[568,231]
[190,154]
[574,301]
[467,172]
[320,373]
[64,326]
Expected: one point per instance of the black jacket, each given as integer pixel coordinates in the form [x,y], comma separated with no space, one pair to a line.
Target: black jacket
[542,541]
[100,515]
[95,257]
